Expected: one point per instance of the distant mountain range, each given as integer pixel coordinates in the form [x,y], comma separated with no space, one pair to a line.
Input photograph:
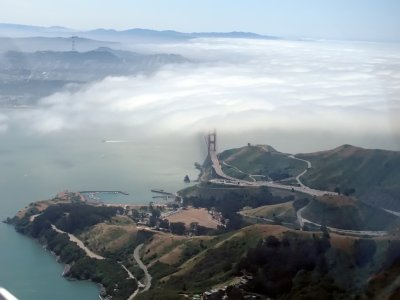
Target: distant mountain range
[26,77]
[136,34]
[32,44]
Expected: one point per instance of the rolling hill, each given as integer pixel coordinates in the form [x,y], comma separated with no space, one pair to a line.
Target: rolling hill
[260,160]
[264,260]
[373,174]
[348,213]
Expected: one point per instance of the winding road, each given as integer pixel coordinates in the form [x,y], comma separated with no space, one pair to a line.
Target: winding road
[91,254]
[302,221]
[81,245]
[136,256]
[228,180]
[302,173]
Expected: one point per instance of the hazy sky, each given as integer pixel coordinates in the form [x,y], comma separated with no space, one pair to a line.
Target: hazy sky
[337,19]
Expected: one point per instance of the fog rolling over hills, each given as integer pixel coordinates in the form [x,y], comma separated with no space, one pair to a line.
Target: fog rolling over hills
[33,44]
[292,93]
[26,77]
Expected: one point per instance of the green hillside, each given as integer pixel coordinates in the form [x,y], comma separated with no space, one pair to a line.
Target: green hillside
[282,263]
[267,260]
[260,160]
[284,212]
[374,174]
[347,213]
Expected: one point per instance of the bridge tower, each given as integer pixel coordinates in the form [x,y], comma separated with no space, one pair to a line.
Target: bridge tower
[212,142]
[73,43]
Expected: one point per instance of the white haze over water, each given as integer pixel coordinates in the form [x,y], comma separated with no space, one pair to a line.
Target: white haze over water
[312,91]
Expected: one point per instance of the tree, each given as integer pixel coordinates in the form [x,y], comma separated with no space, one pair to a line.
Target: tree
[164,224]
[325,231]
[177,228]
[349,191]
[193,227]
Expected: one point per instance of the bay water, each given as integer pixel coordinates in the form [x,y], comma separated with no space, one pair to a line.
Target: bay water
[36,167]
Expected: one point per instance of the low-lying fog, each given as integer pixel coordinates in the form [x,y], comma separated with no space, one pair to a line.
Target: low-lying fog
[294,95]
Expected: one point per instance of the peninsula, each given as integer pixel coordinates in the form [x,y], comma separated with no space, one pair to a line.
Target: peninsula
[260,223]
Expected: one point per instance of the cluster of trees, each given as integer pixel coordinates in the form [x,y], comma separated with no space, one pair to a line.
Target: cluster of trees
[62,247]
[345,191]
[230,202]
[180,227]
[214,267]
[74,217]
[279,175]
[238,198]
[106,272]
[274,263]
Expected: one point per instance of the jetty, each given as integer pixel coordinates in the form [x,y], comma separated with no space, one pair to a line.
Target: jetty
[108,192]
[162,192]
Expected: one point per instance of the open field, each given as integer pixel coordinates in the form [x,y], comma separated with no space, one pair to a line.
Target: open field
[110,236]
[199,215]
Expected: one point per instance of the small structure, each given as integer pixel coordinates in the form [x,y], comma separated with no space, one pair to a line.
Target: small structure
[186,179]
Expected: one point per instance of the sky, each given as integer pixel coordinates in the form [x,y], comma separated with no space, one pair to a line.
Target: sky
[373,20]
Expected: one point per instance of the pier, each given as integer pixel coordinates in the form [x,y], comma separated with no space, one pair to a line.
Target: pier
[108,192]
[162,192]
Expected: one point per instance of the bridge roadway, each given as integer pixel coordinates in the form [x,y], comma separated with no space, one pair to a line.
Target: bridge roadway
[228,180]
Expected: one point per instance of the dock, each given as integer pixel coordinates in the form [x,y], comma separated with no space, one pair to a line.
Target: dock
[162,192]
[108,192]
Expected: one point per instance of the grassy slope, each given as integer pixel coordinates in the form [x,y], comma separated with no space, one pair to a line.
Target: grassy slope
[347,213]
[348,261]
[284,211]
[110,236]
[261,160]
[213,264]
[375,174]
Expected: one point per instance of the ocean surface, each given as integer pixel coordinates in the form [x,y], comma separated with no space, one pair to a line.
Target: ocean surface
[34,167]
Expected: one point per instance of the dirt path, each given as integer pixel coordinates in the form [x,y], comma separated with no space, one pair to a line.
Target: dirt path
[136,256]
[139,284]
[74,239]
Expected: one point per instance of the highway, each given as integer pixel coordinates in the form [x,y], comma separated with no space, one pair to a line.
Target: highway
[228,180]
[302,173]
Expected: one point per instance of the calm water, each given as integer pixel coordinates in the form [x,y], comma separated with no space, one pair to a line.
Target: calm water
[37,167]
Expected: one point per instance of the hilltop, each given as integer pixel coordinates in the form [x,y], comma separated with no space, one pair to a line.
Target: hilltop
[261,161]
[373,175]
[347,213]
